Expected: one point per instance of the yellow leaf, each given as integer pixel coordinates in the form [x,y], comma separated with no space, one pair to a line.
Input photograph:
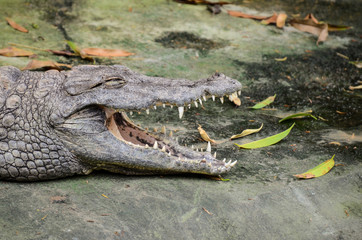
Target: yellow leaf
[281,59]
[318,171]
[246,132]
[204,135]
[104,196]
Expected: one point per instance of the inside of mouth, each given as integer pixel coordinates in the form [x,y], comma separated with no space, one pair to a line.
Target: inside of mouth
[125,130]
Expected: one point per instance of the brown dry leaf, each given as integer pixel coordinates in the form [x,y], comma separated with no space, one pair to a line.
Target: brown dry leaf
[102,52]
[16,26]
[281,20]
[309,25]
[15,52]
[272,19]
[204,135]
[61,53]
[311,16]
[244,15]
[204,2]
[36,64]
[58,199]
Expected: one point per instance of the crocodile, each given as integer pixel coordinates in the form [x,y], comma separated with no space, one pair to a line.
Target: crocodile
[56,124]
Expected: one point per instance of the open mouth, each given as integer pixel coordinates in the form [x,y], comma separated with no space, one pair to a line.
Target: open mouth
[119,124]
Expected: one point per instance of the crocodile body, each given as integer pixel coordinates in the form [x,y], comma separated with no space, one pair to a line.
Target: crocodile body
[57,124]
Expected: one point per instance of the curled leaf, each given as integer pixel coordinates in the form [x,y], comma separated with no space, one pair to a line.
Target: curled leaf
[318,171]
[246,132]
[281,59]
[16,26]
[204,135]
[266,141]
[15,52]
[298,115]
[264,103]
[310,26]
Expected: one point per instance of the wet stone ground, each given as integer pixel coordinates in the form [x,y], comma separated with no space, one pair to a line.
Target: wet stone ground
[262,200]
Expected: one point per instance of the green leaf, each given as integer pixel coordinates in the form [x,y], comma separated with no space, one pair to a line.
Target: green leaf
[246,132]
[266,141]
[264,103]
[297,115]
[318,171]
[74,48]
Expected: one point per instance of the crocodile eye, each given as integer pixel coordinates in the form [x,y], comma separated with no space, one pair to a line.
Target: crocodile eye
[114,82]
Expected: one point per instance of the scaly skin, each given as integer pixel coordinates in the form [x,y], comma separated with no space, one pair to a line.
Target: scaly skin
[57,124]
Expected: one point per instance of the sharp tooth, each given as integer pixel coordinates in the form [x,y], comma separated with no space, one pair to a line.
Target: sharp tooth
[215,155]
[239,92]
[201,149]
[204,97]
[189,106]
[200,101]
[177,139]
[192,147]
[148,111]
[213,98]
[169,154]
[171,106]
[155,107]
[208,147]
[163,105]
[180,112]
[179,158]
[163,130]
[163,149]
[222,100]
[196,105]
[227,164]
[233,163]
[155,129]
[146,146]
[131,113]
[224,160]
[197,149]
[155,146]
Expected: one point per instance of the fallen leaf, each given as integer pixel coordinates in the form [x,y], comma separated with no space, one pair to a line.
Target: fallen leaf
[102,52]
[343,56]
[61,53]
[264,103]
[281,59]
[318,171]
[341,113]
[16,26]
[104,196]
[334,28]
[244,15]
[204,2]
[308,25]
[15,52]
[281,20]
[335,143]
[206,211]
[355,87]
[36,64]
[311,17]
[204,135]
[58,199]
[266,141]
[44,217]
[272,19]
[78,51]
[358,64]
[298,115]
[246,132]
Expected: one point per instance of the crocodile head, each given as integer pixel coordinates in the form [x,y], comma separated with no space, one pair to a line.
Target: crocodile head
[95,125]
[83,115]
